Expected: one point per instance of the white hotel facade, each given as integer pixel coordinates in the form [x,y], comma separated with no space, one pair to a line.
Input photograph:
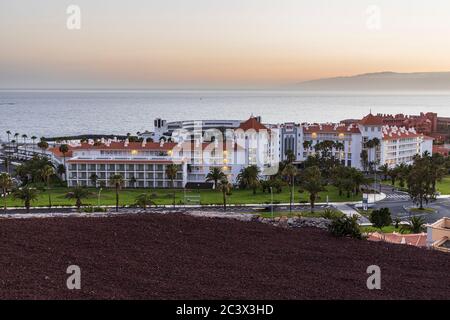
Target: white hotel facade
[234,146]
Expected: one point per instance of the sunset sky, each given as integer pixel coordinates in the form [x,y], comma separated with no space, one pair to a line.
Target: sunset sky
[212,43]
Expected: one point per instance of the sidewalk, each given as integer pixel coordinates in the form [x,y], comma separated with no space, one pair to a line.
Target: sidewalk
[349,211]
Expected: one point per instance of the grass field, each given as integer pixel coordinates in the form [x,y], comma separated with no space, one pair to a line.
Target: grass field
[443,186]
[164,197]
[388,229]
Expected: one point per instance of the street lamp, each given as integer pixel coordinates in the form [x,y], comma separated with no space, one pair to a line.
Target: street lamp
[271,197]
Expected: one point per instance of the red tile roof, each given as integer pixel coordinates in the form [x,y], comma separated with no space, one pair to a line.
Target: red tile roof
[57,153]
[418,240]
[252,123]
[393,132]
[371,120]
[330,128]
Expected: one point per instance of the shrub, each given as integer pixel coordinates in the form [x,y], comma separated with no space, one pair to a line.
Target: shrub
[94,209]
[331,214]
[345,226]
[381,218]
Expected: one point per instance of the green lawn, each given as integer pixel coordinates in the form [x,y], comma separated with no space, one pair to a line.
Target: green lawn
[443,186]
[388,229]
[164,197]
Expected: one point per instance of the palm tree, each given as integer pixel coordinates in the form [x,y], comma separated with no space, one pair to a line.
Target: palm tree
[290,171]
[43,145]
[416,224]
[16,140]
[61,169]
[78,193]
[249,178]
[6,184]
[290,156]
[145,199]
[225,187]
[171,173]
[312,183]
[27,195]
[33,139]
[385,171]
[94,178]
[215,174]
[133,181]
[117,182]
[64,148]
[46,173]
[8,133]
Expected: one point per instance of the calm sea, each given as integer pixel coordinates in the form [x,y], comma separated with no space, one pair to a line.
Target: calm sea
[53,113]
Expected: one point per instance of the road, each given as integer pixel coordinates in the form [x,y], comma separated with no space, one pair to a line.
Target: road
[396,201]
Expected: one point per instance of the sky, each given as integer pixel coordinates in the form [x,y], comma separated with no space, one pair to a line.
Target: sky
[216,44]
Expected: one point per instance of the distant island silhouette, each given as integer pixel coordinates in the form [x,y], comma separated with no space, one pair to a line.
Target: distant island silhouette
[382,81]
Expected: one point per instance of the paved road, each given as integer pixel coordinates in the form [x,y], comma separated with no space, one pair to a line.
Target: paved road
[396,201]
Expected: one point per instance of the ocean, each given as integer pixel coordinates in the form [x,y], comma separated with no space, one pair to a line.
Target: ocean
[56,113]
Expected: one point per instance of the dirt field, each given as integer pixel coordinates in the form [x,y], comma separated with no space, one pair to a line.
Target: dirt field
[182,257]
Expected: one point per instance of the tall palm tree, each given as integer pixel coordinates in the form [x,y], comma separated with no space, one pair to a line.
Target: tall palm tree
[6,184]
[171,173]
[312,183]
[27,195]
[225,187]
[78,193]
[64,148]
[117,182]
[24,137]
[290,171]
[43,145]
[94,178]
[290,156]
[7,165]
[46,173]
[215,174]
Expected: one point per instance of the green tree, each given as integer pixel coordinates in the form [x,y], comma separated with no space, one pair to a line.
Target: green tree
[145,200]
[385,171]
[117,182]
[381,218]
[78,193]
[420,181]
[94,178]
[27,195]
[215,174]
[311,181]
[416,224]
[46,174]
[43,145]
[249,178]
[290,156]
[171,173]
[64,149]
[6,184]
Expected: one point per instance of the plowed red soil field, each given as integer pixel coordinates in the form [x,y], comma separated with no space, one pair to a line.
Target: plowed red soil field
[180,257]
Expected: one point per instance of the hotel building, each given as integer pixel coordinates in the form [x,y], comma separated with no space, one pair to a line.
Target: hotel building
[235,145]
